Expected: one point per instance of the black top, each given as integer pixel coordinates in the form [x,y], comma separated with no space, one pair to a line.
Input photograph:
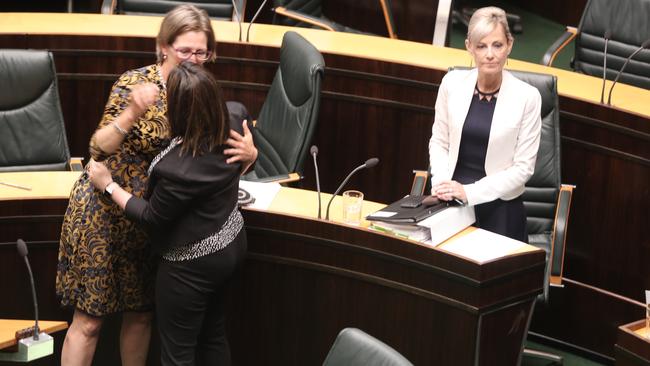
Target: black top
[470,165]
[189,198]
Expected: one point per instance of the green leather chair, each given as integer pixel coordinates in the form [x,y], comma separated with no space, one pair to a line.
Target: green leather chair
[216,9]
[308,13]
[627,21]
[546,199]
[354,347]
[288,117]
[32,133]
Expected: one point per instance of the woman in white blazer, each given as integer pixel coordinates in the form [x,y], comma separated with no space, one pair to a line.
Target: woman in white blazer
[486,132]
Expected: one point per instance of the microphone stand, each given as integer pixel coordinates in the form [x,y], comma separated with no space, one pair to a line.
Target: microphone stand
[368,164]
[248,30]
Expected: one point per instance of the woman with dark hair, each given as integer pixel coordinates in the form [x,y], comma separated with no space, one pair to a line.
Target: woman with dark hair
[190,211]
[105,265]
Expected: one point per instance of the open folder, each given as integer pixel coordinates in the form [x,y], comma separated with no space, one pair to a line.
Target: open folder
[398,212]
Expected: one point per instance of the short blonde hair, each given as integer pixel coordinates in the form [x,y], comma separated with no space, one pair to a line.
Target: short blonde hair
[183,19]
[483,22]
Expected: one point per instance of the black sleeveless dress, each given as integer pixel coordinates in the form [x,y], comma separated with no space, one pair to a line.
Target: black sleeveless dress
[507,218]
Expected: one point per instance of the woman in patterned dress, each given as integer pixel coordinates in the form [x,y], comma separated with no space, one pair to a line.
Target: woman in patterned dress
[105,264]
[190,211]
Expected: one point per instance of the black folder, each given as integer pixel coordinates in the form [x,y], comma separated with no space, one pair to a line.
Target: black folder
[406,215]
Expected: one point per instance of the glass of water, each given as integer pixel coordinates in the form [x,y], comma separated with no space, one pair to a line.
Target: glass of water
[352,204]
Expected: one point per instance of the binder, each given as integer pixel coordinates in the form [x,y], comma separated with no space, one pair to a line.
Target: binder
[395,213]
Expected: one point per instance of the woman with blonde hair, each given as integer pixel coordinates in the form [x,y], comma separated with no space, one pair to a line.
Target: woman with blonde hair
[486,131]
[105,262]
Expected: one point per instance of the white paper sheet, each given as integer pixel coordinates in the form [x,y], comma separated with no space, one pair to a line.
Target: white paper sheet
[482,246]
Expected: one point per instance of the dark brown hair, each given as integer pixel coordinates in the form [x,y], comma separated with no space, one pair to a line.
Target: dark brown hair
[183,19]
[196,110]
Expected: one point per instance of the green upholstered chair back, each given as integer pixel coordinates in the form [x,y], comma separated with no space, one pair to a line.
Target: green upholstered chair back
[541,193]
[217,9]
[628,23]
[32,133]
[288,118]
[354,347]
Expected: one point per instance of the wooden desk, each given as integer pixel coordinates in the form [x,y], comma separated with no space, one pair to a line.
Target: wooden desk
[633,344]
[378,100]
[8,328]
[305,279]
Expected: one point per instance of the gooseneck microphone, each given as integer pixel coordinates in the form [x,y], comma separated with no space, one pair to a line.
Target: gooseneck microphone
[22,251]
[314,151]
[607,36]
[368,164]
[239,19]
[645,44]
[248,31]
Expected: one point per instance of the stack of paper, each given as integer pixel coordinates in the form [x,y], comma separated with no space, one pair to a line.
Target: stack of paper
[435,229]
[412,232]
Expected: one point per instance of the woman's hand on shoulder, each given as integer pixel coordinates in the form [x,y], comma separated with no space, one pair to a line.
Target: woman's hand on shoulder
[241,148]
[99,175]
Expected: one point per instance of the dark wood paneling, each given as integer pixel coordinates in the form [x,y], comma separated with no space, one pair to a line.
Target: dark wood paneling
[304,280]
[567,12]
[632,349]
[414,19]
[375,108]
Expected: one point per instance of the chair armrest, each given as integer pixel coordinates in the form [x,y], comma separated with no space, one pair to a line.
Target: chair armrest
[388,17]
[76,164]
[108,6]
[558,239]
[281,178]
[318,22]
[558,45]
[420,178]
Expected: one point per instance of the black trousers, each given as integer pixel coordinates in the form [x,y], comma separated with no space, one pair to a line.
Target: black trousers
[189,307]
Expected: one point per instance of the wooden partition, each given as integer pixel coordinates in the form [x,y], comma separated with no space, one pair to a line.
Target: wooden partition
[378,101]
[305,279]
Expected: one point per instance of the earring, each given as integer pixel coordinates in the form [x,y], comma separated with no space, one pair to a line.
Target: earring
[164,56]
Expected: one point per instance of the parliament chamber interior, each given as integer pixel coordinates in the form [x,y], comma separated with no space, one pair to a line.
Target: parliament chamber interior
[314,290]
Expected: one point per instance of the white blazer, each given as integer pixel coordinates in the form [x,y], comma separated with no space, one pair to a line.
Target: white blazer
[514,135]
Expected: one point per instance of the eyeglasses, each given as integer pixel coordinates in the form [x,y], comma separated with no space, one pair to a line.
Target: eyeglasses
[185,53]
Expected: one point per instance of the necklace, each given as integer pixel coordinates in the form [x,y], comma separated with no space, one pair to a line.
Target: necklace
[485,96]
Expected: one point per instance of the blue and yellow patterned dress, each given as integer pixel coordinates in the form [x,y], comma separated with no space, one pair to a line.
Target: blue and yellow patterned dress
[105,264]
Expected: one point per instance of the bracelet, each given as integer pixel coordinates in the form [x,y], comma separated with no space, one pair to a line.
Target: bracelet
[119,129]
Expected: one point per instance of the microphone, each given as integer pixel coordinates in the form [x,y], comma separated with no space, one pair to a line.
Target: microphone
[22,251]
[314,151]
[645,44]
[607,36]
[239,19]
[368,164]
[248,31]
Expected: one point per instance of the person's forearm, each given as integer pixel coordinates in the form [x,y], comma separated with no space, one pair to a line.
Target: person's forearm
[110,137]
[120,196]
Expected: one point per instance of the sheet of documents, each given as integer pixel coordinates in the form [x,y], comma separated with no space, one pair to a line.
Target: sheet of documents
[264,193]
[482,245]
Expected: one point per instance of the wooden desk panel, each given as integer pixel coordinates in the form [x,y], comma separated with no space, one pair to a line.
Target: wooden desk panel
[305,279]
[377,100]
[633,344]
